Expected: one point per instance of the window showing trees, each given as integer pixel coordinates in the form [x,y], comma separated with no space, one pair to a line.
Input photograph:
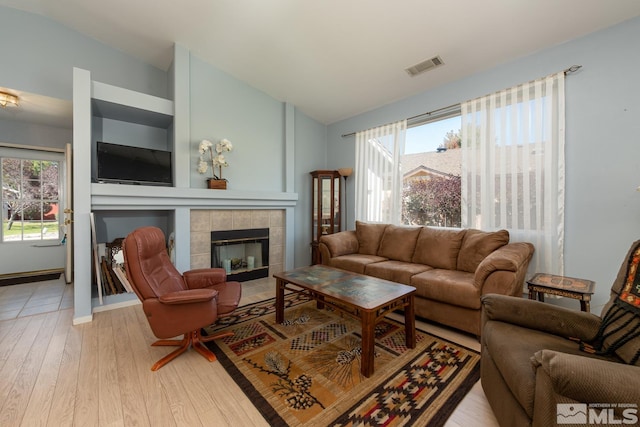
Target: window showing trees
[30,199]
[431,166]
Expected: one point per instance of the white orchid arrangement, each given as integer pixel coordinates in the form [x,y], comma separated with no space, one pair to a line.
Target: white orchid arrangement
[216,160]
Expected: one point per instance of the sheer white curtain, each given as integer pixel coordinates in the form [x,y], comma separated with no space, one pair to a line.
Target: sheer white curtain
[513,167]
[378,175]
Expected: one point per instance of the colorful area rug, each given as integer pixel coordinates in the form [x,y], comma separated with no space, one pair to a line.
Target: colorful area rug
[306,371]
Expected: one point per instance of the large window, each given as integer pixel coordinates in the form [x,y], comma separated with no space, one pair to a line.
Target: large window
[494,162]
[513,163]
[30,199]
[431,174]
[378,173]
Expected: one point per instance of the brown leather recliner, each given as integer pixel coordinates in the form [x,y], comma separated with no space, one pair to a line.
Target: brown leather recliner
[544,365]
[176,304]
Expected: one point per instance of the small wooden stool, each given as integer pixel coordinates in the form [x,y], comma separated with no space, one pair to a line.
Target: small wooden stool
[570,287]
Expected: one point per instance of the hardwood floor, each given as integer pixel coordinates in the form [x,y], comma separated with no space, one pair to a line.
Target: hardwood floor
[98,374]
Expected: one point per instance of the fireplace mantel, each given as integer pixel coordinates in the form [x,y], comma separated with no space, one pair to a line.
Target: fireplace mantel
[184,202]
[121,196]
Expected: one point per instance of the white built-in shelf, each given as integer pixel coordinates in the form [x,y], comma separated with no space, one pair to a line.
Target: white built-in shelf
[112,102]
[128,197]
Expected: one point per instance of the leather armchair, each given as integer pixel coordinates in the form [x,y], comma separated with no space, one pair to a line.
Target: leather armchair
[537,355]
[176,304]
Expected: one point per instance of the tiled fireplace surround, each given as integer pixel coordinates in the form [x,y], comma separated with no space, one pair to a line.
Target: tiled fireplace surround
[204,221]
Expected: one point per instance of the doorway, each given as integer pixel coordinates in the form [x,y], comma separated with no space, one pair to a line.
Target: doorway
[32,238]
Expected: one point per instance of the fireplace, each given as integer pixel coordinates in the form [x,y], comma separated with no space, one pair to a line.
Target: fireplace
[244,254]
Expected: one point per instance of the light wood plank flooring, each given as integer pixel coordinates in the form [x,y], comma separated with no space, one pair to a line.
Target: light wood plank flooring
[98,374]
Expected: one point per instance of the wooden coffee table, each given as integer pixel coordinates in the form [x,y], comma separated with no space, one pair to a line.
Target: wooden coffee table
[363,297]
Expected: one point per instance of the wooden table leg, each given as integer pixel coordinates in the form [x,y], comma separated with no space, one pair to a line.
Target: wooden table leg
[368,342]
[280,284]
[585,306]
[532,294]
[410,324]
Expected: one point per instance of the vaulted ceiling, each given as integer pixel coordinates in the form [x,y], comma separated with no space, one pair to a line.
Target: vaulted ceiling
[334,59]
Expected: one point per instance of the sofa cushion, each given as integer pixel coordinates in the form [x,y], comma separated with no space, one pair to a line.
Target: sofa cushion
[369,236]
[340,244]
[354,262]
[448,286]
[399,243]
[438,248]
[395,271]
[476,245]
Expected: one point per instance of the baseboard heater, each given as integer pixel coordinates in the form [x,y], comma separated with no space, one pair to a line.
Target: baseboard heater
[30,276]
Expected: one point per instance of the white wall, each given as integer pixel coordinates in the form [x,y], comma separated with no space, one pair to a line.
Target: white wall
[44,52]
[16,132]
[224,107]
[310,155]
[602,213]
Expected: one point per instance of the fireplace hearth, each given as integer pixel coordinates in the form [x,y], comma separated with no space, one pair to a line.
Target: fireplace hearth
[244,254]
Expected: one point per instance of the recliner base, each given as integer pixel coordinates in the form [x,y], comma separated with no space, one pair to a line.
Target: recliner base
[191,339]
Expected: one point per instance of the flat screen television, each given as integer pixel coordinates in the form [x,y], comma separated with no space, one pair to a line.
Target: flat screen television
[124,164]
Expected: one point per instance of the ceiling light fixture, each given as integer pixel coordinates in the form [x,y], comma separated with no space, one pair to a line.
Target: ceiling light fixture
[8,99]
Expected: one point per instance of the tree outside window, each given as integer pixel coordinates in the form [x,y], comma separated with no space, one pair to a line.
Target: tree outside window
[30,199]
[431,193]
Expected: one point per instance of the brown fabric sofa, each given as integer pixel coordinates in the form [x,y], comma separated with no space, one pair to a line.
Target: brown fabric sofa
[532,361]
[450,269]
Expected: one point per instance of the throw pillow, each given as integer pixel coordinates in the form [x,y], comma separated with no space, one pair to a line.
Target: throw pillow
[399,243]
[438,248]
[477,245]
[619,331]
[369,236]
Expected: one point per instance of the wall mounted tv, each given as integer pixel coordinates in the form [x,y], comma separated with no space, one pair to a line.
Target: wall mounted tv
[124,164]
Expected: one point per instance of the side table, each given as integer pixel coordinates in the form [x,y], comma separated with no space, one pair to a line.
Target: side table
[570,287]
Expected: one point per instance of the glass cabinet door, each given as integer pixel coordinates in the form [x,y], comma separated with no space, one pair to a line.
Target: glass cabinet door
[325,213]
[327,203]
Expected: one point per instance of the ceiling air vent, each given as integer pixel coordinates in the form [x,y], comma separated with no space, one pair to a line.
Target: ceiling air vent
[423,66]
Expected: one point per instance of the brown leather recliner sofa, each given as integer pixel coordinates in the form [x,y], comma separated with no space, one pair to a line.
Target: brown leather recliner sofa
[534,367]
[450,269]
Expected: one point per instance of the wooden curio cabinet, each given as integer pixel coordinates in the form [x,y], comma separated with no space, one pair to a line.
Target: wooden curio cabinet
[326,216]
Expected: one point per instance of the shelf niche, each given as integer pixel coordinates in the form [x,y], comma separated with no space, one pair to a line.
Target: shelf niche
[114,224]
[125,117]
